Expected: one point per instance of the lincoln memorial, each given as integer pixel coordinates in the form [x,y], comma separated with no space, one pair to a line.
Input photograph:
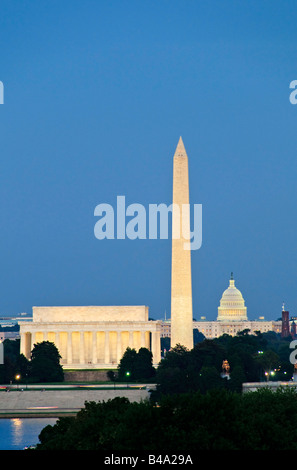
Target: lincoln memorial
[94,336]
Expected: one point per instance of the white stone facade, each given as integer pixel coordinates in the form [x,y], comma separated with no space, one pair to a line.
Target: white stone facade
[92,337]
[214,329]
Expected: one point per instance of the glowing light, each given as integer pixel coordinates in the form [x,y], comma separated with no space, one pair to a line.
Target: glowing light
[41,407]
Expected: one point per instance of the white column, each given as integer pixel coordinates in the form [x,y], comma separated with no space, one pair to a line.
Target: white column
[33,339]
[69,348]
[94,347]
[106,348]
[23,349]
[142,339]
[119,346]
[57,340]
[26,344]
[156,347]
[81,348]
[147,340]
[131,342]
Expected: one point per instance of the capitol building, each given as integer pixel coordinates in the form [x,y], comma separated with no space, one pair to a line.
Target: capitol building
[231,319]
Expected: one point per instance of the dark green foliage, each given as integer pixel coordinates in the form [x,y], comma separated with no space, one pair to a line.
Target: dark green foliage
[165,344]
[45,363]
[14,362]
[216,420]
[126,365]
[197,336]
[182,371]
[143,367]
[249,357]
[136,365]
[43,367]
[111,375]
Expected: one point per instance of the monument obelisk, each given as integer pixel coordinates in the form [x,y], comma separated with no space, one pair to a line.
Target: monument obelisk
[181,278]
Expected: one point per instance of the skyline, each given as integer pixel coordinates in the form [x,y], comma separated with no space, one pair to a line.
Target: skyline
[96,97]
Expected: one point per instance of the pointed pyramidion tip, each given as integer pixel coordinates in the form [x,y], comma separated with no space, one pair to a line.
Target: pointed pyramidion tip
[180,149]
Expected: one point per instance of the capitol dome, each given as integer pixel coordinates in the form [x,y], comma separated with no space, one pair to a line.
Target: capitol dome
[232,307]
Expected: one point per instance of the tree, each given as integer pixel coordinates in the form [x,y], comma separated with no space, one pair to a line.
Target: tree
[174,373]
[111,375]
[143,367]
[22,366]
[45,363]
[209,378]
[14,362]
[267,361]
[197,336]
[136,365]
[237,378]
[126,365]
[165,345]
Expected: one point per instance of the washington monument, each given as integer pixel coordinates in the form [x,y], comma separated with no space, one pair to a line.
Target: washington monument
[181,279]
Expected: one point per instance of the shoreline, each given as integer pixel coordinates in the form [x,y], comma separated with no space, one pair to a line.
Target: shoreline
[52,401]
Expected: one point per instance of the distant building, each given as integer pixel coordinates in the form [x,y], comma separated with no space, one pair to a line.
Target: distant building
[285,324]
[12,335]
[9,326]
[165,329]
[214,329]
[288,325]
[12,321]
[293,329]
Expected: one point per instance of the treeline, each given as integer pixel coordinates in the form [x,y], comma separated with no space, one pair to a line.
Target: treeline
[190,422]
[251,358]
[43,366]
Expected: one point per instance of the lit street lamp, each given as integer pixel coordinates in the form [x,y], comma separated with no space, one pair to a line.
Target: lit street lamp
[127,375]
[17,377]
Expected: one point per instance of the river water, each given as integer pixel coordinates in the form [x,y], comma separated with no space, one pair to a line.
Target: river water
[17,433]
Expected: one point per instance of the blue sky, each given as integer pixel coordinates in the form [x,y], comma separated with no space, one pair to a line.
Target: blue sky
[97,94]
